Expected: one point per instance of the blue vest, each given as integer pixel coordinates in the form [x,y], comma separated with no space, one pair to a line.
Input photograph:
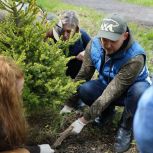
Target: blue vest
[113,65]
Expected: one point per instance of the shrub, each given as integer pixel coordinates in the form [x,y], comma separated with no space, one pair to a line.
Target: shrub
[44,65]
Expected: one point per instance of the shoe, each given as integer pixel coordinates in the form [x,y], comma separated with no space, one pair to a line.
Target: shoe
[124,134]
[123,140]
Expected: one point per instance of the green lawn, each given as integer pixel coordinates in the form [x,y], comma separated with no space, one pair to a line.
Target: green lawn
[140,2]
[91,19]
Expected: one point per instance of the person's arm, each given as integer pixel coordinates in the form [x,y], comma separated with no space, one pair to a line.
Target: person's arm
[85,40]
[116,87]
[44,148]
[87,70]
[142,124]
[20,150]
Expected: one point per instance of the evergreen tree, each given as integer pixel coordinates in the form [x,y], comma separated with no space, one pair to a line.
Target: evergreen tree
[22,36]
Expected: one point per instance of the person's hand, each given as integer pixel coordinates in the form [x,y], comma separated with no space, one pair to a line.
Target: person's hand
[74,128]
[80,56]
[45,148]
[77,126]
[66,109]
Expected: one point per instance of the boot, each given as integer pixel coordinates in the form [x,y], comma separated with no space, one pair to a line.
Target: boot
[124,134]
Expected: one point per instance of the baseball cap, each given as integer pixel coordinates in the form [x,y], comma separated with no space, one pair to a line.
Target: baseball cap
[112,27]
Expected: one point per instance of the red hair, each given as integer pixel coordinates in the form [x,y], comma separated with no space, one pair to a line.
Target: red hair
[11,111]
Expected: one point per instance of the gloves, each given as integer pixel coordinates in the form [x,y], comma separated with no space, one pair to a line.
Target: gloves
[45,148]
[66,109]
[77,126]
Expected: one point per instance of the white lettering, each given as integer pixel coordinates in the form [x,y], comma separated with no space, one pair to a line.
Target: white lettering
[110,25]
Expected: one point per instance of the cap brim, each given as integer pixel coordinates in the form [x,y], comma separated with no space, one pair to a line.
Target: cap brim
[109,35]
[55,34]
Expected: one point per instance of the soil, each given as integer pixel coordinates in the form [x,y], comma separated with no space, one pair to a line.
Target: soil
[92,139]
[135,13]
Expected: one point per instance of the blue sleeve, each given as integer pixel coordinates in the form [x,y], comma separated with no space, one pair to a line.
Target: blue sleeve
[143,122]
[85,38]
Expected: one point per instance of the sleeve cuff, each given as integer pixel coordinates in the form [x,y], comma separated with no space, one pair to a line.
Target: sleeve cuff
[33,149]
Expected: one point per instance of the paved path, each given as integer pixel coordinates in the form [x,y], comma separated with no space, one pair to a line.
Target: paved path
[135,13]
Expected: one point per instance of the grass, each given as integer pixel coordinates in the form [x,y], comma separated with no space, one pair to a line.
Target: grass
[89,19]
[140,2]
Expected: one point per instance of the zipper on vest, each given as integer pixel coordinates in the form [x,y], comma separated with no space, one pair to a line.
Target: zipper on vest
[111,64]
[102,62]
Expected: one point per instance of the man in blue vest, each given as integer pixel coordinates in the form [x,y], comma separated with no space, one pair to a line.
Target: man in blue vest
[123,77]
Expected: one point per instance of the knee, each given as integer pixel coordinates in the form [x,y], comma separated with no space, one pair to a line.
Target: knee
[137,90]
[134,94]
[87,93]
[90,91]
[84,89]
